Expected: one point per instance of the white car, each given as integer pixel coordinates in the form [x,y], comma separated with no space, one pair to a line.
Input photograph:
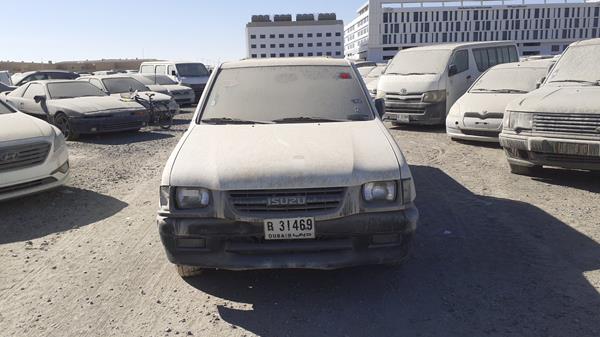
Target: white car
[478,114]
[267,178]
[33,155]
[165,85]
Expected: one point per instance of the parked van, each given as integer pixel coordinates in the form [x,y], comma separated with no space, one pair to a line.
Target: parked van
[558,124]
[190,74]
[5,77]
[421,84]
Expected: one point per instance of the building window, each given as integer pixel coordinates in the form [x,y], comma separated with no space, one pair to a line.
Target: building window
[291,45]
[555,48]
[300,35]
[328,53]
[300,45]
[281,36]
[338,44]
[328,44]
[291,36]
[253,36]
[262,36]
[263,55]
[291,55]
[309,35]
[338,34]
[338,53]
[310,54]
[273,55]
[281,55]
[272,36]
[253,46]
[319,54]
[300,54]
[272,45]
[263,46]
[253,56]
[310,44]
[328,35]
[319,34]
[319,44]
[282,45]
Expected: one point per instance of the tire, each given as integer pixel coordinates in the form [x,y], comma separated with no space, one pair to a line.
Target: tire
[165,120]
[525,170]
[62,122]
[188,271]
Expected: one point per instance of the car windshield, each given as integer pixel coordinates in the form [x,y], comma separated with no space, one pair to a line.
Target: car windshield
[376,72]
[61,90]
[160,79]
[192,70]
[5,109]
[510,80]
[418,62]
[120,85]
[578,64]
[295,94]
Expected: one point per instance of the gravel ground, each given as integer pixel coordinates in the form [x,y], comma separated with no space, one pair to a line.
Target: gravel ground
[495,255]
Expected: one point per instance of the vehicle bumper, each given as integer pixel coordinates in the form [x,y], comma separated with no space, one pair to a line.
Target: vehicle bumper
[342,242]
[36,185]
[536,150]
[473,135]
[415,113]
[90,125]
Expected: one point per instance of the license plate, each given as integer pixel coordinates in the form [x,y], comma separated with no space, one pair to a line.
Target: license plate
[403,118]
[290,229]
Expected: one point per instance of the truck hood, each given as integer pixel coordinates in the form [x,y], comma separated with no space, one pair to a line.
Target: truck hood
[414,84]
[560,99]
[193,80]
[16,126]
[277,156]
[489,102]
[93,104]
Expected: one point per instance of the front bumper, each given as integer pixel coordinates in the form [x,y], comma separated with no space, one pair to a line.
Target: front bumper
[535,150]
[341,242]
[472,135]
[415,112]
[100,124]
[36,185]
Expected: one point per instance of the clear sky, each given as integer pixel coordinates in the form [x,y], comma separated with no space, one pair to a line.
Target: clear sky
[61,30]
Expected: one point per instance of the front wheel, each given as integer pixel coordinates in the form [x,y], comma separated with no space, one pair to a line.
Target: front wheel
[63,123]
[165,120]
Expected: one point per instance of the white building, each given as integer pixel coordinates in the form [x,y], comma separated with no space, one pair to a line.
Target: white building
[308,35]
[539,27]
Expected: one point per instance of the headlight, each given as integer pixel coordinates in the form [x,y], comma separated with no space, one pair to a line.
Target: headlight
[520,120]
[379,191]
[434,96]
[59,139]
[380,94]
[190,198]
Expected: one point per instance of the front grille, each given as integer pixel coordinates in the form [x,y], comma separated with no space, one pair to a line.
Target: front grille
[399,98]
[481,133]
[23,186]
[404,110]
[198,88]
[317,200]
[568,158]
[22,156]
[115,126]
[586,124]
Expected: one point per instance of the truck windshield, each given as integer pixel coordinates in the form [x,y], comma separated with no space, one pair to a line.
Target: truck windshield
[192,70]
[5,109]
[578,64]
[61,90]
[418,62]
[511,80]
[294,94]
[120,85]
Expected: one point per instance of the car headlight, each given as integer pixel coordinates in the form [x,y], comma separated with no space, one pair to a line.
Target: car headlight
[380,191]
[434,96]
[59,140]
[520,120]
[380,94]
[191,197]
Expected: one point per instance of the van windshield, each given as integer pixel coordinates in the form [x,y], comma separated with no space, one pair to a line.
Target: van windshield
[509,80]
[191,70]
[418,62]
[578,64]
[281,94]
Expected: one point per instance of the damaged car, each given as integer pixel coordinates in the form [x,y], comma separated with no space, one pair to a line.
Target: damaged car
[265,178]
[558,125]
[33,155]
[77,107]
[165,85]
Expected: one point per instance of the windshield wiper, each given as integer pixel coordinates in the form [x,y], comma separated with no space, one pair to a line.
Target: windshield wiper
[503,91]
[577,81]
[307,119]
[227,120]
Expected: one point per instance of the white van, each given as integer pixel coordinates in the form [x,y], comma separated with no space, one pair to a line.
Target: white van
[5,77]
[190,74]
[421,84]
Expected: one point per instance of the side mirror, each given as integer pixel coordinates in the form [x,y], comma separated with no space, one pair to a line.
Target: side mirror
[39,98]
[173,73]
[380,105]
[452,70]
[539,83]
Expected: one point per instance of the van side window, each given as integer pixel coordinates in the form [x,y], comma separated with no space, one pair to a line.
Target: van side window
[161,70]
[461,61]
[96,83]
[481,59]
[147,69]
[514,56]
[170,70]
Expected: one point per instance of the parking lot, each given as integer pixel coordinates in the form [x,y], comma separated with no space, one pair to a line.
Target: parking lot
[496,254]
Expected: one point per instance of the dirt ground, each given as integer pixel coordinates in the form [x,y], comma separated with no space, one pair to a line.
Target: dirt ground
[495,255]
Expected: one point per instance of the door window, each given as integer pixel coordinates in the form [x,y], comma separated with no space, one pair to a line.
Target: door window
[33,90]
[161,69]
[147,69]
[461,61]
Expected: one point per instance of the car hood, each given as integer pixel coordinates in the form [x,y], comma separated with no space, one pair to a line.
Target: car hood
[93,104]
[413,84]
[371,83]
[486,102]
[16,126]
[560,99]
[277,156]
[143,94]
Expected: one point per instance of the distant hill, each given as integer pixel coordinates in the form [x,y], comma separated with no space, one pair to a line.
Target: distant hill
[76,66]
